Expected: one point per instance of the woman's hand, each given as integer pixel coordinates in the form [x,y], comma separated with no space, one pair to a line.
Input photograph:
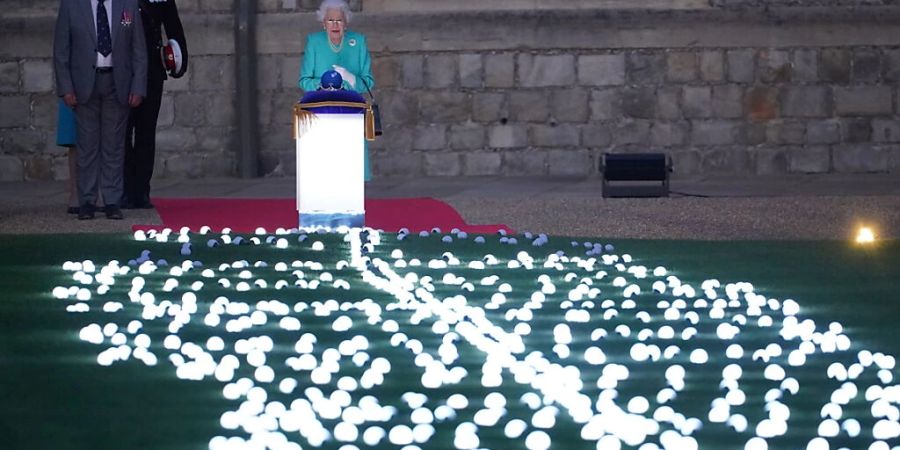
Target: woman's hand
[346,75]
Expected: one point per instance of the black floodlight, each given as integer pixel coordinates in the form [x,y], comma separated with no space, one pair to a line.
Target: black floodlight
[635,174]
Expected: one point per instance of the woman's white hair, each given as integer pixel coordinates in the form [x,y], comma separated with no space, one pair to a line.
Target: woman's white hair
[334,4]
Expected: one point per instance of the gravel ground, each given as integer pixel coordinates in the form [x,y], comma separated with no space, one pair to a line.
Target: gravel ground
[726,210]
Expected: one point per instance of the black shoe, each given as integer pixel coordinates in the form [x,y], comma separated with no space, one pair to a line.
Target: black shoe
[113,212]
[72,210]
[86,212]
[146,205]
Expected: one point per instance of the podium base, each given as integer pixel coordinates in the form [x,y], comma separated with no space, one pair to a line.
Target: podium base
[333,220]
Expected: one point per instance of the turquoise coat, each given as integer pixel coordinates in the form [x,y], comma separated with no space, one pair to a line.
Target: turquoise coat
[319,57]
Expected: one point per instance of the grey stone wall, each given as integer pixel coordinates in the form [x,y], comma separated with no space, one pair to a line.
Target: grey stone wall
[753,87]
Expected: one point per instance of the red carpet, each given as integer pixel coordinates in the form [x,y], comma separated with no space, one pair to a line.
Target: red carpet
[246,215]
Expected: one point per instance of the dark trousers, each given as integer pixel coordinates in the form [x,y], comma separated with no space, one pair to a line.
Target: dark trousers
[140,145]
[101,128]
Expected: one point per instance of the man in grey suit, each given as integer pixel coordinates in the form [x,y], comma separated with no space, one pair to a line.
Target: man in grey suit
[100,60]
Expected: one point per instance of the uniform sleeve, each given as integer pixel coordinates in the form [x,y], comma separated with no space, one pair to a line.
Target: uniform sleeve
[365,67]
[309,80]
[175,30]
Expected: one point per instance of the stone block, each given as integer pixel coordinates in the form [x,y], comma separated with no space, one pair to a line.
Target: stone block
[697,101]
[805,101]
[412,73]
[668,102]
[774,66]
[44,112]
[430,137]
[524,163]
[15,111]
[507,136]
[282,111]
[442,164]
[467,136]
[397,164]
[712,65]
[570,105]
[24,141]
[809,159]
[606,104]
[770,160]
[268,72]
[596,135]
[489,107]
[826,131]
[685,162]
[639,102]
[886,130]
[601,70]
[834,65]
[783,131]
[395,139]
[11,168]
[859,158]
[529,106]
[752,133]
[893,158]
[166,111]
[190,109]
[681,67]
[856,130]
[438,107]
[470,70]
[632,132]
[499,70]
[221,110]
[727,101]
[387,71]
[216,5]
[569,163]
[216,139]
[669,134]
[212,73]
[866,65]
[398,107]
[441,70]
[546,70]
[37,76]
[806,65]
[554,136]
[761,103]
[891,65]
[645,68]
[713,132]
[481,163]
[740,66]
[9,76]
[722,160]
[38,168]
[184,83]
[863,100]
[175,139]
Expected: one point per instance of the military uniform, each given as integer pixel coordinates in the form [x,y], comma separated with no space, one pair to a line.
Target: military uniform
[140,142]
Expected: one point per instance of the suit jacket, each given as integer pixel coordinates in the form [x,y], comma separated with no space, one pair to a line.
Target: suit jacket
[159,15]
[75,49]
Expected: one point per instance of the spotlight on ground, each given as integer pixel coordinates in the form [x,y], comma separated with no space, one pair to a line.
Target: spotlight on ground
[865,236]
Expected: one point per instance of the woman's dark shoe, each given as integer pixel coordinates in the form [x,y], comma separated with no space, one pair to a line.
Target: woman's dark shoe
[86,212]
[113,212]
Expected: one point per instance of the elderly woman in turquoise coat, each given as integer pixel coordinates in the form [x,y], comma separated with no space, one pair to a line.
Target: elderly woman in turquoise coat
[337,48]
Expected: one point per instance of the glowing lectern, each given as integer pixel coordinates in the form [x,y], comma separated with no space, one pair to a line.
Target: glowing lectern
[330,129]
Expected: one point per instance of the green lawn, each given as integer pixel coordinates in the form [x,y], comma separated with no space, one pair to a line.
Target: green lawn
[54,394]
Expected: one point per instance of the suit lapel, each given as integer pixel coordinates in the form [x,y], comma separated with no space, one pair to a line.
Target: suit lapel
[89,13]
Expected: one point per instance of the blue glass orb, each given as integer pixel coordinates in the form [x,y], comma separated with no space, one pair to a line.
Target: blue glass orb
[332,80]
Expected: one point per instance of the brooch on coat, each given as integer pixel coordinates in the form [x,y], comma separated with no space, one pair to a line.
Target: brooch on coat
[127,20]
[352,42]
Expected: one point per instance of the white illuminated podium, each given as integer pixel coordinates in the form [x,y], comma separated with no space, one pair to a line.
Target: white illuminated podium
[330,132]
